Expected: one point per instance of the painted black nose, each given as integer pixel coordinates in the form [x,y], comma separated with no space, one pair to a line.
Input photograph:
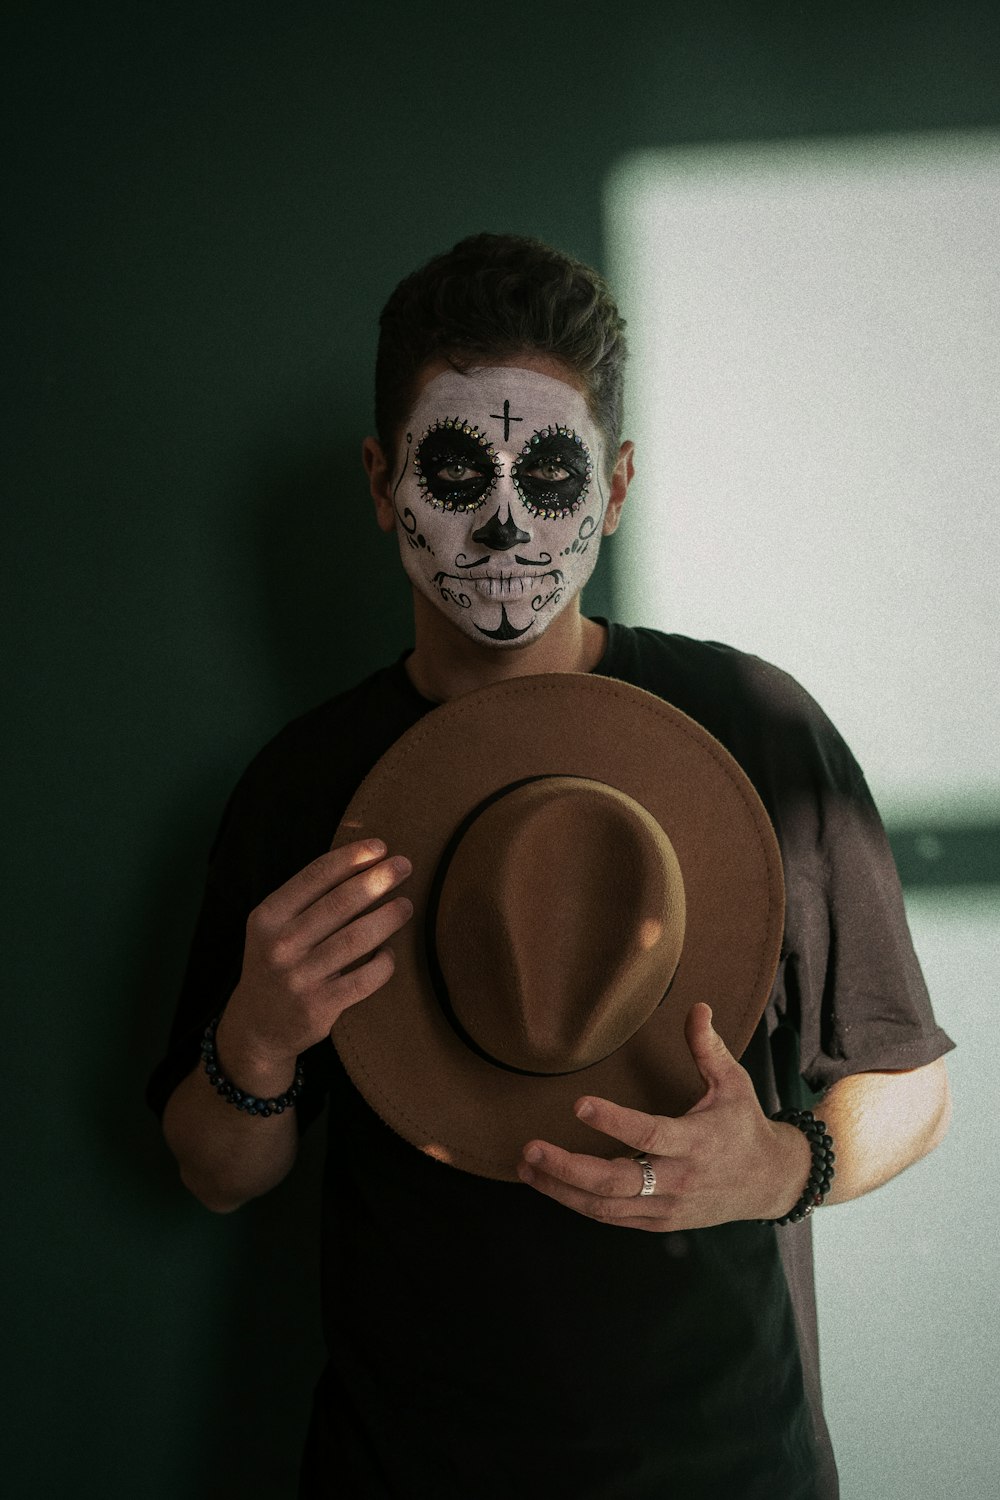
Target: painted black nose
[499,535]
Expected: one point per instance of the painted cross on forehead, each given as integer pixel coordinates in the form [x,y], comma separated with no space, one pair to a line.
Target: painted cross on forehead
[507,419]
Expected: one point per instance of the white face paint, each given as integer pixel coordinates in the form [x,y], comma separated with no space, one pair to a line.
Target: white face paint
[500,500]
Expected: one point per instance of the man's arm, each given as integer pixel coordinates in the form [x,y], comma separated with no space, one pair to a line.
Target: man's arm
[725,1160]
[313,948]
[225,1155]
[882,1123]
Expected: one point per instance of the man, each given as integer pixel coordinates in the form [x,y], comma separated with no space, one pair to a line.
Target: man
[486,1335]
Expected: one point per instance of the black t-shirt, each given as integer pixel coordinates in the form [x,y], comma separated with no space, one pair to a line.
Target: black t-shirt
[483,1338]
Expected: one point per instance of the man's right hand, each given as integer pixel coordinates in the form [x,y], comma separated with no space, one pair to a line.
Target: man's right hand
[307,959]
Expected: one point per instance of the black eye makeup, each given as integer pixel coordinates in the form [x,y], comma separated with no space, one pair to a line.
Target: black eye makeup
[455,465]
[553,472]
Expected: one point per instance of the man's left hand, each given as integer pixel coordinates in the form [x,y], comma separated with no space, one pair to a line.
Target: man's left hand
[722,1160]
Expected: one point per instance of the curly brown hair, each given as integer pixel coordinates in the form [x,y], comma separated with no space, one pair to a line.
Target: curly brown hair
[501,294]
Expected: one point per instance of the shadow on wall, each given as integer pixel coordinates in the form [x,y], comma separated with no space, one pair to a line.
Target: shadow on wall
[335,604]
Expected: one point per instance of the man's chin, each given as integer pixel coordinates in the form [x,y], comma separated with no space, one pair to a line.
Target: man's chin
[513,626]
[504,625]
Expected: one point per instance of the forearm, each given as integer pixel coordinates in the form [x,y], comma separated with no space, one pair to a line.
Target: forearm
[881,1123]
[313,947]
[225,1155]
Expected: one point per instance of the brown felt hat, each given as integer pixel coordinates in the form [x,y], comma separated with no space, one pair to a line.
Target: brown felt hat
[588,862]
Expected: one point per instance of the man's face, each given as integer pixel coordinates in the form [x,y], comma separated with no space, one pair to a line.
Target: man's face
[500,499]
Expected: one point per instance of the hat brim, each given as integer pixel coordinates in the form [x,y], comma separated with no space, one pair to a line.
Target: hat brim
[397,1045]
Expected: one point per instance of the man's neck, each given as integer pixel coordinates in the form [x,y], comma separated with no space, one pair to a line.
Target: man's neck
[446,663]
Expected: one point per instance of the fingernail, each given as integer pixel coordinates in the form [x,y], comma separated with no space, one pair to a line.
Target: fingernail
[525,1174]
[533,1154]
[584,1110]
[374,849]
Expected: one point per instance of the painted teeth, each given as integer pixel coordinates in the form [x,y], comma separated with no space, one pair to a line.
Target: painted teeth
[496,588]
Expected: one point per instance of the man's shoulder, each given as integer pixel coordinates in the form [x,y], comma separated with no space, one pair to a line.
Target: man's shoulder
[759,711]
[324,722]
[332,744]
[713,675]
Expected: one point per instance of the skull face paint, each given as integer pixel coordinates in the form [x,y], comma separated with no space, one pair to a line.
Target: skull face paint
[499,500]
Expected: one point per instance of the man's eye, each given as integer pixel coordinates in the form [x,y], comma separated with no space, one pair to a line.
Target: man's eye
[551,471]
[457,472]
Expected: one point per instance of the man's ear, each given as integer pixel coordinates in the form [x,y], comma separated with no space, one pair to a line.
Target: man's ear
[624,473]
[379,472]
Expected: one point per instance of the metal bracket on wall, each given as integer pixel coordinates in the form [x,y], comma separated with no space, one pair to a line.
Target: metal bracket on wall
[946,854]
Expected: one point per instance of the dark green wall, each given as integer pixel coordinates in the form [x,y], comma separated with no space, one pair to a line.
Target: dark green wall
[211,202]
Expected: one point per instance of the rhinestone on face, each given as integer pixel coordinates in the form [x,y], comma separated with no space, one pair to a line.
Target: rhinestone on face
[546,513]
[470,429]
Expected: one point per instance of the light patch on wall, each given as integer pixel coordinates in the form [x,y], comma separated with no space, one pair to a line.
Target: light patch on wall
[815,335]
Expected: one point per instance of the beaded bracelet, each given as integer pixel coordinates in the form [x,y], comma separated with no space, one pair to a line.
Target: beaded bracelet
[823,1158]
[242,1100]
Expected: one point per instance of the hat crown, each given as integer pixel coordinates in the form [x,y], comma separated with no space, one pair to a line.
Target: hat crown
[559,924]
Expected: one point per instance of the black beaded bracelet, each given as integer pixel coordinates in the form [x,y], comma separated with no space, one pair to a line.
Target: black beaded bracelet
[249,1103]
[823,1158]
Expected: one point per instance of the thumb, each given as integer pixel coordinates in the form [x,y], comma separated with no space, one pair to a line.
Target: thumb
[711,1055]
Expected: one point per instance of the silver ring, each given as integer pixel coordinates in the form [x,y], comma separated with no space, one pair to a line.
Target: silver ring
[648,1178]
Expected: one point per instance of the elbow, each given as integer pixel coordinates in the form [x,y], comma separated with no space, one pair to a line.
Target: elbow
[923,1111]
[208,1196]
[941,1122]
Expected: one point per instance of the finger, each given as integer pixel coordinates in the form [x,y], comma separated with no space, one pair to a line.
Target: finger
[653,1134]
[651,1226]
[711,1055]
[344,949]
[336,909]
[317,878]
[619,1178]
[363,981]
[592,1205]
